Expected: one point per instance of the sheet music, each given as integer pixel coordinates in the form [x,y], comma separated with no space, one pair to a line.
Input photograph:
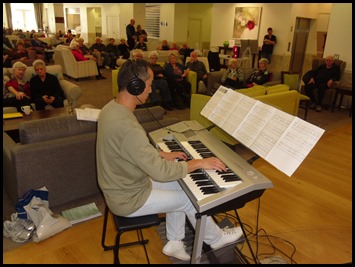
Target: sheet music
[213,102]
[294,145]
[278,137]
[271,133]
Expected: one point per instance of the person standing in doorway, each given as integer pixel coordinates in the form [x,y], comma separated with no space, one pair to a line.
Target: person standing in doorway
[268,45]
[130,31]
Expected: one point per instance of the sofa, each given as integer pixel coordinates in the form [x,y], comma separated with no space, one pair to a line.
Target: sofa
[59,153]
[214,78]
[72,92]
[279,96]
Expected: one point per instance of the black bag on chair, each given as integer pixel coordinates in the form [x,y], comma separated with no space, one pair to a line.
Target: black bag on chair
[213,61]
[307,76]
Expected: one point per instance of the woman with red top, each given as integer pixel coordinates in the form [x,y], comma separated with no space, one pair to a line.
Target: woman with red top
[16,92]
[79,56]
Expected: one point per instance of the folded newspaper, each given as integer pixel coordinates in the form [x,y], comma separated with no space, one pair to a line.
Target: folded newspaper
[82,213]
[87,114]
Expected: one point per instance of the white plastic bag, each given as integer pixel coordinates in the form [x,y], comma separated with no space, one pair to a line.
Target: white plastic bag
[47,224]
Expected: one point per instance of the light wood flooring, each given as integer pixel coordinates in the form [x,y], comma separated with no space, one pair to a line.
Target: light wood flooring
[307,217]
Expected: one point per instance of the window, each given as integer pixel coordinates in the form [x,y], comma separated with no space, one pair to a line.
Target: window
[152,19]
[23,17]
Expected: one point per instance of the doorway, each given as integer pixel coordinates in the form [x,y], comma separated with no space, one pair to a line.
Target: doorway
[299,45]
[193,33]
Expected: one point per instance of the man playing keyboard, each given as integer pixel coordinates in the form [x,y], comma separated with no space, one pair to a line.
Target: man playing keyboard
[137,179]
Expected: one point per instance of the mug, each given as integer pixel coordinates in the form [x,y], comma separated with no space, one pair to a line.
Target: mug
[26,109]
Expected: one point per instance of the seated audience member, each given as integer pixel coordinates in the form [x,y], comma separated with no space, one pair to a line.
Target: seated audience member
[124,48]
[174,47]
[180,88]
[160,82]
[98,50]
[322,79]
[79,56]
[84,48]
[113,52]
[69,39]
[164,45]
[141,33]
[137,54]
[19,52]
[185,51]
[6,44]
[45,88]
[198,67]
[56,40]
[67,34]
[21,35]
[37,42]
[259,76]
[32,33]
[234,76]
[141,44]
[16,92]
[60,33]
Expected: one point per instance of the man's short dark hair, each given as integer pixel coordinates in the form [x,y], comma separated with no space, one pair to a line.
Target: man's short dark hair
[269,29]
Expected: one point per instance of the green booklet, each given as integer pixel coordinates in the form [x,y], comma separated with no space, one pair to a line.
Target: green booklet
[82,213]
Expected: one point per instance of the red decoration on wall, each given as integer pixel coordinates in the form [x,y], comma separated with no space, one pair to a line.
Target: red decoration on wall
[250,24]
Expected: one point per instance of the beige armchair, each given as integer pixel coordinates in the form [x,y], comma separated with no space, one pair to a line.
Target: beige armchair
[74,69]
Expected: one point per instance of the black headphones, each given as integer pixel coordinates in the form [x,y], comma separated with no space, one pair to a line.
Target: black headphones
[135,86]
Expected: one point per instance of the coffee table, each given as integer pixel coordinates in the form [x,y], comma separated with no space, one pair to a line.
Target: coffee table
[13,124]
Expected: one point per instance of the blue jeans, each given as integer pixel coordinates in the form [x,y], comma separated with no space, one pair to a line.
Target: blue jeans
[177,206]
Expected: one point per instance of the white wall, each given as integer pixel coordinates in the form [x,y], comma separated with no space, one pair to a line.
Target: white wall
[339,38]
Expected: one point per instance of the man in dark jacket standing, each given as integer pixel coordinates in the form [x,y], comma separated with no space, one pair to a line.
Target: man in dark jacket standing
[130,31]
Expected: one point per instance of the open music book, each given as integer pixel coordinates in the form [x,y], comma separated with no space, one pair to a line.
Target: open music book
[280,138]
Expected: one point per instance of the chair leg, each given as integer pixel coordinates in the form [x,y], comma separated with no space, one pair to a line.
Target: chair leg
[103,238]
[306,110]
[143,242]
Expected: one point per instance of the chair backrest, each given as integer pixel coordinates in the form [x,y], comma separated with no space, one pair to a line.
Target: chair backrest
[292,79]
[204,60]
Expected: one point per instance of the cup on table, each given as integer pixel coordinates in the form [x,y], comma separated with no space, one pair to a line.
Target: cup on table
[26,109]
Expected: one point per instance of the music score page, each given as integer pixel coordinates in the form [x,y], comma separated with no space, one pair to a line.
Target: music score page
[281,139]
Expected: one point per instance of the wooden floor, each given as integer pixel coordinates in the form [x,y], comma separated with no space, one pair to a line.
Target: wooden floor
[311,213]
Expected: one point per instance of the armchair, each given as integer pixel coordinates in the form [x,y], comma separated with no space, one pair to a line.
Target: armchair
[330,93]
[293,80]
[201,87]
[74,69]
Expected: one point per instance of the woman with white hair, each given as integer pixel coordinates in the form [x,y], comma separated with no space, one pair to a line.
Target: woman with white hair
[261,75]
[16,92]
[79,56]
[160,82]
[234,76]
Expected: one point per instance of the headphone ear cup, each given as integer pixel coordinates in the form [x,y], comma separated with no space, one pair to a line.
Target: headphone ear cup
[136,86]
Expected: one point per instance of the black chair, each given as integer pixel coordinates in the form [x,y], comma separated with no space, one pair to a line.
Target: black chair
[124,224]
[213,61]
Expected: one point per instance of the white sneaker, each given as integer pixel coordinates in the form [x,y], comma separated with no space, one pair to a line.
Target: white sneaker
[16,231]
[107,67]
[177,250]
[229,236]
